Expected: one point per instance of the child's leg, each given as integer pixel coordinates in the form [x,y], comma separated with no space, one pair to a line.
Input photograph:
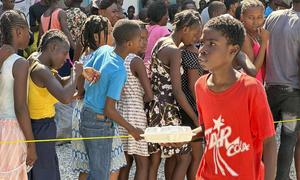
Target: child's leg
[154,165]
[142,166]
[170,164]
[114,175]
[297,157]
[46,167]
[182,164]
[82,176]
[124,172]
[197,151]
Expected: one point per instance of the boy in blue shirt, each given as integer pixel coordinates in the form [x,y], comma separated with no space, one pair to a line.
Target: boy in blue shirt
[99,110]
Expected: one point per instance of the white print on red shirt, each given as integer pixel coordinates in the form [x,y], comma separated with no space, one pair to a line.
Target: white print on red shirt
[217,137]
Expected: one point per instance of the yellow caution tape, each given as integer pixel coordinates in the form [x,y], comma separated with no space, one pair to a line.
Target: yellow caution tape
[94,138]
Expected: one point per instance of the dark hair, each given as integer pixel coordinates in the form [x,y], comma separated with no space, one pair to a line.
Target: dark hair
[131,7]
[124,31]
[172,10]
[51,36]
[247,4]
[228,3]
[141,24]
[156,11]
[93,24]
[186,2]
[186,18]
[215,7]
[143,15]
[104,4]
[8,21]
[238,12]
[230,27]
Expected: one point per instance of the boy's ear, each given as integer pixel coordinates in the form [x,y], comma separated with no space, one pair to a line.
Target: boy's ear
[235,49]
[129,43]
[185,29]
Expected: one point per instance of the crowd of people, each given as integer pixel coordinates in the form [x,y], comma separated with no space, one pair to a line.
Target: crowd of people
[230,67]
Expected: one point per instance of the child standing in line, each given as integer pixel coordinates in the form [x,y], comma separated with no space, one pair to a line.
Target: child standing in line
[137,90]
[158,15]
[192,72]
[257,38]
[96,32]
[99,113]
[233,110]
[166,71]
[46,88]
[14,116]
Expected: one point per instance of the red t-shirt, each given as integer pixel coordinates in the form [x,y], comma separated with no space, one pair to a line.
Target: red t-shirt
[236,123]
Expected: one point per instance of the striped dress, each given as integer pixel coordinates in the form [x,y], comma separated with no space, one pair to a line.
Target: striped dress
[131,108]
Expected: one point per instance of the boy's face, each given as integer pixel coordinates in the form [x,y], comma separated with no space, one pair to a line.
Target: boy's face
[253,18]
[8,4]
[144,40]
[215,52]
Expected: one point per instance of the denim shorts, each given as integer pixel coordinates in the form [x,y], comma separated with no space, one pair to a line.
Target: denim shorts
[99,150]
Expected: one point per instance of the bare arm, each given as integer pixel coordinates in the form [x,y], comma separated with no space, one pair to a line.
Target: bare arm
[270,158]
[243,61]
[43,77]
[78,50]
[111,112]
[65,29]
[175,65]
[193,76]
[20,73]
[139,70]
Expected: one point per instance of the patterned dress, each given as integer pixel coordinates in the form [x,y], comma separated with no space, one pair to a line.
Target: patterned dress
[131,108]
[75,20]
[189,62]
[163,110]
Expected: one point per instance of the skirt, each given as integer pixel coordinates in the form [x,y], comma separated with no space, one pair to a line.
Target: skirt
[13,156]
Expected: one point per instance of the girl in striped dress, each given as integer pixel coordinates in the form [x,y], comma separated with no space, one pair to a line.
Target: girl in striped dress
[136,90]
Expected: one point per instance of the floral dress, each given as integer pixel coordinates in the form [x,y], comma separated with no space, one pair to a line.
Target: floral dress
[164,109]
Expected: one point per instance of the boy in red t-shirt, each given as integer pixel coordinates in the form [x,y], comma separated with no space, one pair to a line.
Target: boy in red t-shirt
[233,110]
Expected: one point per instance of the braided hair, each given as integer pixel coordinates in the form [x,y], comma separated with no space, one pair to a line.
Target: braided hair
[52,36]
[94,24]
[186,18]
[10,20]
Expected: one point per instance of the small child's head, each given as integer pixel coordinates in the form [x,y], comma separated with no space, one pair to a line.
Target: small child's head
[14,29]
[188,4]
[130,12]
[216,8]
[55,43]
[158,13]
[188,23]
[96,32]
[144,38]
[252,15]
[231,6]
[221,41]
[127,34]
[8,4]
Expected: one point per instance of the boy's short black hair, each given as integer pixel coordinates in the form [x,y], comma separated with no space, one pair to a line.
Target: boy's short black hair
[157,10]
[186,2]
[131,7]
[228,3]
[230,27]
[215,6]
[125,30]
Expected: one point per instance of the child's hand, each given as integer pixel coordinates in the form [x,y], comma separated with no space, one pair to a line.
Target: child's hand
[136,133]
[31,155]
[263,34]
[91,74]
[78,68]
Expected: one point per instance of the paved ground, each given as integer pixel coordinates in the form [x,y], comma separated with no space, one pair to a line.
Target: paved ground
[64,155]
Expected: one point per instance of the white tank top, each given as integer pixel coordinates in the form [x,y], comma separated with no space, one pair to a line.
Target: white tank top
[7,108]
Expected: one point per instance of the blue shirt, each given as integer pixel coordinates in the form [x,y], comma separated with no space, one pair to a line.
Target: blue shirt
[112,78]
[268,11]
